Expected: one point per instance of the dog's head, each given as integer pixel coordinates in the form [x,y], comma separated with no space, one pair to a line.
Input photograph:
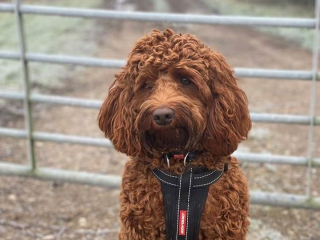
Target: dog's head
[175,94]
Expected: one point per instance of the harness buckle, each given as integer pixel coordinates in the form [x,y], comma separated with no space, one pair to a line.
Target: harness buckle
[178,156]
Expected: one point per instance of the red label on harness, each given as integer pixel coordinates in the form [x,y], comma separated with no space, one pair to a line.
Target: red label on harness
[178,156]
[182,222]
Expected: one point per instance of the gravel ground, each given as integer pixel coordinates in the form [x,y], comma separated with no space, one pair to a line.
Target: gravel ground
[32,209]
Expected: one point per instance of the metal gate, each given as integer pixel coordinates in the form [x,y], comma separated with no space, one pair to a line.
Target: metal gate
[31,170]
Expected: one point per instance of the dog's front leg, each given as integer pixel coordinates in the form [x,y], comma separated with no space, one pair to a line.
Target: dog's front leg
[141,213]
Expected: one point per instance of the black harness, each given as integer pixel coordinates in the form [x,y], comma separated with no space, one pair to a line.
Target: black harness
[184,198]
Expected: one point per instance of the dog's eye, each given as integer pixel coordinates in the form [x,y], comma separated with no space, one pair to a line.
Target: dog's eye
[185,80]
[148,87]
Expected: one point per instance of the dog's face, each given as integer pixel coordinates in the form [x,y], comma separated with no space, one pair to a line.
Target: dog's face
[171,108]
[175,94]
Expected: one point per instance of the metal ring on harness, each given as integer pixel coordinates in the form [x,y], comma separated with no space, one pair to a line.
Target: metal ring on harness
[168,160]
[185,159]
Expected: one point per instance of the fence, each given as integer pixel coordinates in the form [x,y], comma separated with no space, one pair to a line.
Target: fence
[31,170]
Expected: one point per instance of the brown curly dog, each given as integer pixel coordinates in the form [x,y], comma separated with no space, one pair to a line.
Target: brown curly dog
[177,95]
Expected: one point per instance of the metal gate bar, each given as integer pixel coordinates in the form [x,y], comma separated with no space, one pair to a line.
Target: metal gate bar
[113,181]
[313,97]
[114,63]
[95,104]
[26,85]
[100,142]
[164,17]
[276,199]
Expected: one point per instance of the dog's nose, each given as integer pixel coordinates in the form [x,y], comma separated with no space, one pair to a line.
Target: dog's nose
[163,116]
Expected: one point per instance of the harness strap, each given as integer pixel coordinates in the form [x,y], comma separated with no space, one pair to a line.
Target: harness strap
[184,198]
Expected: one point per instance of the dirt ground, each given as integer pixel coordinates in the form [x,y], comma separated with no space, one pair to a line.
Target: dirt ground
[32,209]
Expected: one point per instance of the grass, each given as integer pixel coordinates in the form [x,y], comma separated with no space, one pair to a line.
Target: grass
[161,6]
[266,9]
[50,35]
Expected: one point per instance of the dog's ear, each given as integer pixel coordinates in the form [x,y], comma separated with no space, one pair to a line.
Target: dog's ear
[116,113]
[228,115]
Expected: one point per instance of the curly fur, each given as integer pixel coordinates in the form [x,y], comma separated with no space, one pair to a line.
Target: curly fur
[211,116]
